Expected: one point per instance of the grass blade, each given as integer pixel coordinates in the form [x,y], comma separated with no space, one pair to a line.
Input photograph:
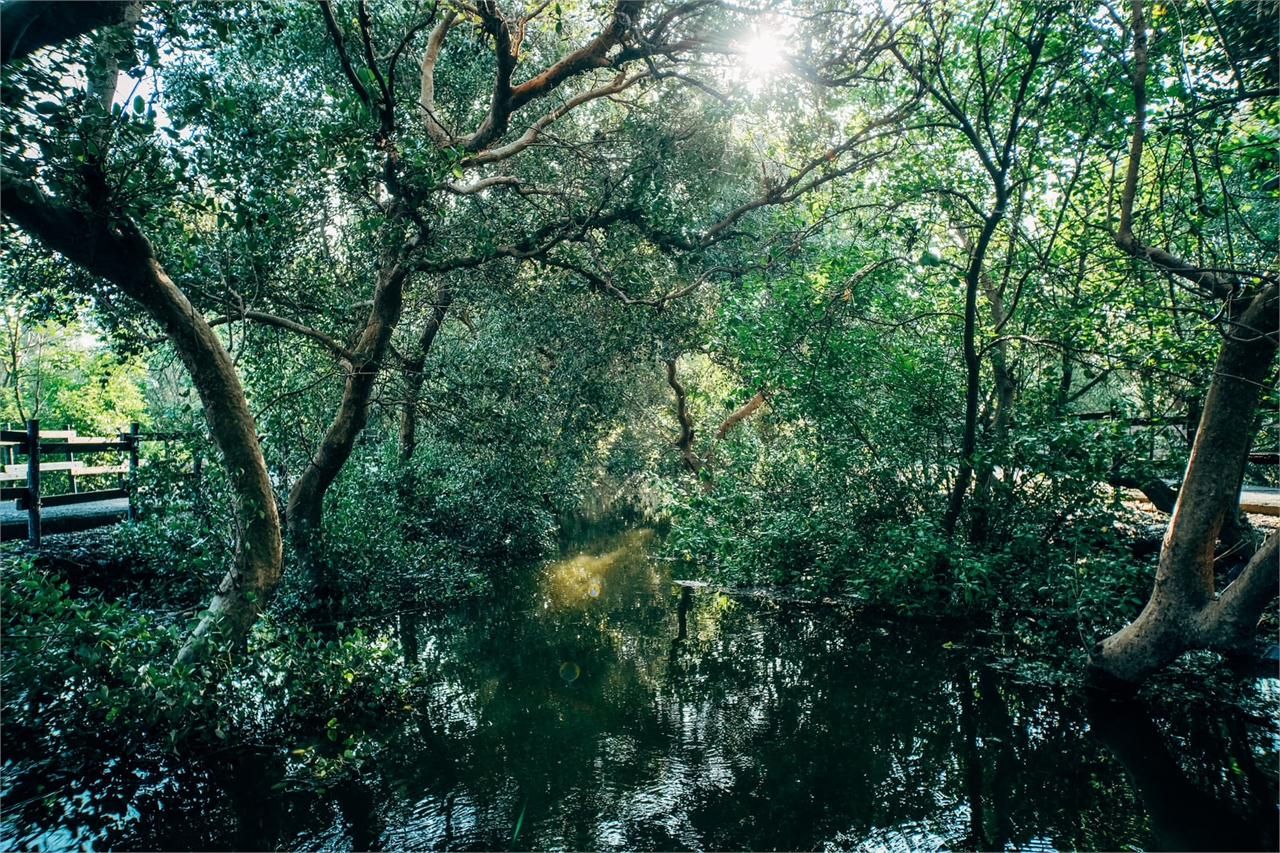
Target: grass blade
[519,821]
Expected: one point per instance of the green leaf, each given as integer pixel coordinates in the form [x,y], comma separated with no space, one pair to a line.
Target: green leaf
[139,105]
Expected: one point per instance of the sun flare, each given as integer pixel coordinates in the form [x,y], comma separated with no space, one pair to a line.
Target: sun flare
[760,55]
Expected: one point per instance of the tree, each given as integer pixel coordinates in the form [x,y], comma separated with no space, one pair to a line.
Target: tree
[77,206]
[101,177]
[994,97]
[1184,610]
[572,186]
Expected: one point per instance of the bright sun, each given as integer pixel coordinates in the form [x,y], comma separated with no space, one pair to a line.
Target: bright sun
[760,55]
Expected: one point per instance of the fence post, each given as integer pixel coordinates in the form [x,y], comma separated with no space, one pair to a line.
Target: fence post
[133,465]
[33,482]
[71,457]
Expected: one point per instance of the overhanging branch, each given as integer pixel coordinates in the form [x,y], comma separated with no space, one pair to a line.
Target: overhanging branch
[316,335]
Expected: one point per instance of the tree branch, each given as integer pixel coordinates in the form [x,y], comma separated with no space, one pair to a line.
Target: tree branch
[316,335]
[745,411]
[427,80]
[494,155]
[386,103]
[507,99]
[1124,237]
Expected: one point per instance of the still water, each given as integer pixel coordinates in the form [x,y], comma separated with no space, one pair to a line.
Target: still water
[598,706]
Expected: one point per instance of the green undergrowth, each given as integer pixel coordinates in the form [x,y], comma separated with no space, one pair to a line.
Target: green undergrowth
[1084,582]
[80,671]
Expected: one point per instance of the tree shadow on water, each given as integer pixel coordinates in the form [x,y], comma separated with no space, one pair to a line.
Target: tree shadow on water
[1185,816]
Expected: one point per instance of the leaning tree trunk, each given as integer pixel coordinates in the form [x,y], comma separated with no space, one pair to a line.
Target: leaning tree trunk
[110,245]
[407,437]
[124,256]
[305,508]
[1184,612]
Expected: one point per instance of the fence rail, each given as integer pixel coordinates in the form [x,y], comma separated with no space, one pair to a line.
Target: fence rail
[35,444]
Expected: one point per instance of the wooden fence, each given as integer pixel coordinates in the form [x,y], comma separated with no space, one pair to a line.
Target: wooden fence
[36,444]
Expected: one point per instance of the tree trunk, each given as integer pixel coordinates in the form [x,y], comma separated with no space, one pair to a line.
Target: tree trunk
[684,441]
[1183,612]
[112,246]
[973,365]
[306,499]
[123,255]
[1005,387]
[407,436]
[28,25]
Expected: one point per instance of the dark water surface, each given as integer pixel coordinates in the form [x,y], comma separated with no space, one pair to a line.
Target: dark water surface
[599,707]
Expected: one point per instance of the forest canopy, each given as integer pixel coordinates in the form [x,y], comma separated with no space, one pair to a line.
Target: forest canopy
[907,302]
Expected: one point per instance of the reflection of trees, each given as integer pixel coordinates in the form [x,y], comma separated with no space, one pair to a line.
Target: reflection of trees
[1184,815]
[1024,766]
[762,725]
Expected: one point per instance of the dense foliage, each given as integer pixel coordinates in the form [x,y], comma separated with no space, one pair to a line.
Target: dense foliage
[461,329]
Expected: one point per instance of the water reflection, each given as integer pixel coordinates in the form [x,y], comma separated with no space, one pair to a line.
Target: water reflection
[1185,815]
[657,717]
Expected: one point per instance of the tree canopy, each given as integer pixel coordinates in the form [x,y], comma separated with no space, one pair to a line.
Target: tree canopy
[890,301]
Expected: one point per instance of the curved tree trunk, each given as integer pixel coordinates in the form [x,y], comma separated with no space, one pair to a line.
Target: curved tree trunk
[1184,612]
[28,25]
[406,439]
[305,508]
[110,245]
[684,441]
[123,255]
